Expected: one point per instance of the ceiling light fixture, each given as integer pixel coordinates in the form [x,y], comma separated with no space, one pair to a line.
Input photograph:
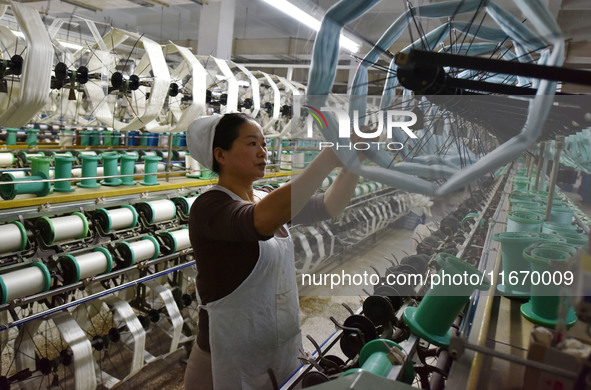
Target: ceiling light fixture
[82,5]
[310,21]
[159,2]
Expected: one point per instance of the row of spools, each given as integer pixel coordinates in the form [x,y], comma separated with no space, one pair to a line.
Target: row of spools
[117,169]
[139,232]
[534,249]
[91,137]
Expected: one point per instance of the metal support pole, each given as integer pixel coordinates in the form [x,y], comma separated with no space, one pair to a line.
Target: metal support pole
[544,168]
[527,158]
[168,160]
[540,161]
[554,175]
[530,168]
[278,153]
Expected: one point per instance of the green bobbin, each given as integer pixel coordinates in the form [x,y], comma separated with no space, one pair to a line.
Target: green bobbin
[63,170]
[524,221]
[150,166]
[543,306]
[32,137]
[107,138]
[10,190]
[512,246]
[89,169]
[128,168]
[110,166]
[432,319]
[40,164]
[85,137]
[11,136]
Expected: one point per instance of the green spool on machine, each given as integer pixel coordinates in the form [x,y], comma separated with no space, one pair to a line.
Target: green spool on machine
[376,357]
[543,305]
[512,246]
[432,319]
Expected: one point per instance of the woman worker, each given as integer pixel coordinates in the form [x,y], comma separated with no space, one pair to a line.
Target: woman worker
[246,278]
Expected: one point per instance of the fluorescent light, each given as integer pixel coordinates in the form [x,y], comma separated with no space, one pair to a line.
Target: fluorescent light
[81,4]
[310,21]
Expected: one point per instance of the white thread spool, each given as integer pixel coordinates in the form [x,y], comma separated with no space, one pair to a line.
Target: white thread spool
[298,160]
[116,219]
[17,173]
[195,167]
[157,210]
[24,282]
[86,265]
[357,191]
[145,249]
[176,240]
[77,172]
[188,162]
[63,228]
[27,157]
[66,139]
[192,166]
[152,153]
[163,141]
[182,154]
[184,204]
[14,237]
[139,168]
[6,159]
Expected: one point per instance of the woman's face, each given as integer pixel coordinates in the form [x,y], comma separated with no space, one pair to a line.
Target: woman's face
[247,157]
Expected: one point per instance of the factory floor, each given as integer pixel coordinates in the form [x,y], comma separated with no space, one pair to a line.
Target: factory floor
[316,309]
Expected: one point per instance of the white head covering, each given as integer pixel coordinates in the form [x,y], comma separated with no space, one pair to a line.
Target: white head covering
[200,138]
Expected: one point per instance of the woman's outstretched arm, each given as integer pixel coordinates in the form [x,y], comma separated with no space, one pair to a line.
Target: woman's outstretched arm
[279,206]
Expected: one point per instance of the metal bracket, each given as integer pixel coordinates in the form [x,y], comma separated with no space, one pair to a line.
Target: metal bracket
[44,207]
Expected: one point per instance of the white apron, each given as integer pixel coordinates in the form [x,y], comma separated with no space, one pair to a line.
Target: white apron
[257,326]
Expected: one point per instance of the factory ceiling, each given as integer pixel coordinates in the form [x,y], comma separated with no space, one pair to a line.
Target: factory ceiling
[265,36]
